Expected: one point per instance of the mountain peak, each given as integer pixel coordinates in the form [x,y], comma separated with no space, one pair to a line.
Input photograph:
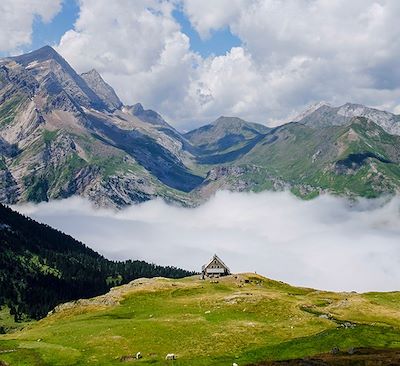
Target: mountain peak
[228,120]
[92,72]
[353,110]
[311,109]
[102,89]
[42,54]
[146,115]
[61,72]
[137,108]
[325,115]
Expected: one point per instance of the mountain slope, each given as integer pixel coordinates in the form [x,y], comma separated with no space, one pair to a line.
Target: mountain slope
[225,134]
[245,318]
[359,159]
[102,89]
[41,267]
[323,115]
[60,138]
[47,66]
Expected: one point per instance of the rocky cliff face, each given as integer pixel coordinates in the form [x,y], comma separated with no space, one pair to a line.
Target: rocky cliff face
[102,89]
[325,115]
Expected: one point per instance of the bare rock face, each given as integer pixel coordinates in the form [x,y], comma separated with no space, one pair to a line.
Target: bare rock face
[323,114]
[9,190]
[47,63]
[102,89]
[146,115]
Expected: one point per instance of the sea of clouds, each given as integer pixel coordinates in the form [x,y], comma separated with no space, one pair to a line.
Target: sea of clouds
[326,243]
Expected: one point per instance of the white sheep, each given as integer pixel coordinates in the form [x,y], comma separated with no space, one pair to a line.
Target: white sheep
[235,364]
[170,356]
[138,355]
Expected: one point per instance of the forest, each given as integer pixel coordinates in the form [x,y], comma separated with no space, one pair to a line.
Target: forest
[41,267]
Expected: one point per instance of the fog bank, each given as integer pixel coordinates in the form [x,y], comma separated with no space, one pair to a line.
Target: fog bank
[326,243]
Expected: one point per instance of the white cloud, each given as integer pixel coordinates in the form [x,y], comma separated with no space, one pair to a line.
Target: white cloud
[138,48]
[294,53]
[326,243]
[209,15]
[16,19]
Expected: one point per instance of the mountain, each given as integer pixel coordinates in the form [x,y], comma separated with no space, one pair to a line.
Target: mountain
[356,159]
[225,139]
[52,74]
[322,115]
[146,115]
[225,133]
[245,319]
[41,267]
[64,134]
[102,89]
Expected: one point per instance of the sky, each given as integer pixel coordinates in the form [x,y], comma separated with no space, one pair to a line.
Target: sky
[326,243]
[194,60]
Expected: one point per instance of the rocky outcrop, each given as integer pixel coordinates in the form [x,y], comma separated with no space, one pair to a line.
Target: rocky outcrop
[146,115]
[9,190]
[324,115]
[102,89]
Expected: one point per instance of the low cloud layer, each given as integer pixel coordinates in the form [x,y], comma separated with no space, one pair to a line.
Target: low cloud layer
[326,243]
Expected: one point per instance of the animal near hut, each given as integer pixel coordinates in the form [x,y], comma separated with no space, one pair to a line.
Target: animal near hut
[214,268]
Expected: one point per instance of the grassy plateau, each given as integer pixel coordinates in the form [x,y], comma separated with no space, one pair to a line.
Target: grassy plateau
[243,318]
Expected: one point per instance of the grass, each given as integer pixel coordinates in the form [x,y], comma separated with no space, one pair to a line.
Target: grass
[49,136]
[3,165]
[9,109]
[7,322]
[244,319]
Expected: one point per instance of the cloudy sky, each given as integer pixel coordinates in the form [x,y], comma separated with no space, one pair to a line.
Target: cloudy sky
[193,60]
[326,243]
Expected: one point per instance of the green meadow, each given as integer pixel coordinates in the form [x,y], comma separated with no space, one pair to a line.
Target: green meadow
[243,319]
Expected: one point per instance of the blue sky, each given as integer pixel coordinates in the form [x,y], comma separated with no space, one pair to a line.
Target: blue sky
[219,42]
[51,33]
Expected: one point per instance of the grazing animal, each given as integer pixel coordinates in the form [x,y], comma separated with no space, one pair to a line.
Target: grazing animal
[170,356]
[138,356]
[235,364]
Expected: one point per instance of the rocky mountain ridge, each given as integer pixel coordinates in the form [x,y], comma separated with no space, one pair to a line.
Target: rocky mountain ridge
[324,114]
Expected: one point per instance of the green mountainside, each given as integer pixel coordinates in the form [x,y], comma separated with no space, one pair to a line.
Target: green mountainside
[358,159]
[240,319]
[41,267]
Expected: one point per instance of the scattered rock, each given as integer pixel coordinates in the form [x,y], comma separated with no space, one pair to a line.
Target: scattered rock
[127,358]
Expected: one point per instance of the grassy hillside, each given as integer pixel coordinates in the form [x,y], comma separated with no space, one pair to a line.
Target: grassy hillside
[243,319]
